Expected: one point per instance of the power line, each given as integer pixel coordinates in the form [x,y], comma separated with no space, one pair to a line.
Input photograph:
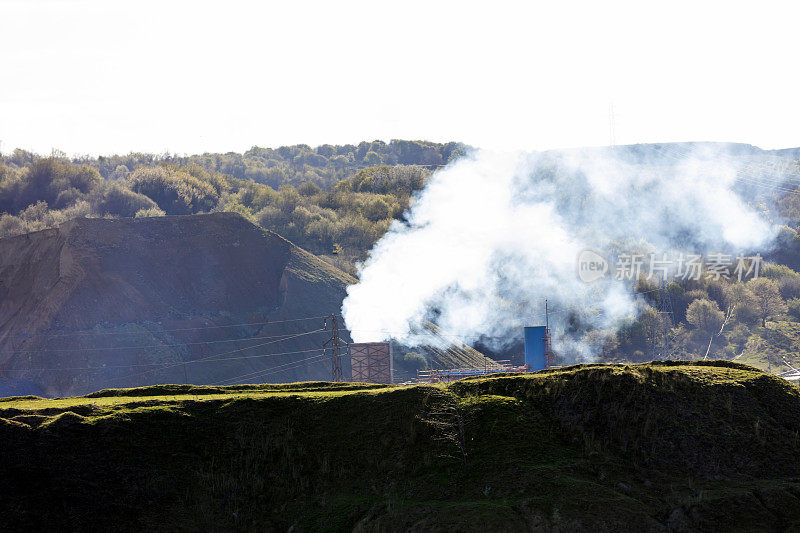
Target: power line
[91,333]
[243,339]
[159,364]
[277,369]
[224,353]
[273,370]
[766,182]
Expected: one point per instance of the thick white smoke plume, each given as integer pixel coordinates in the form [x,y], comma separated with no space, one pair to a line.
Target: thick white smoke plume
[494,234]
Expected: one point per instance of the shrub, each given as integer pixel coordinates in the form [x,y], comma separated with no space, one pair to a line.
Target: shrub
[11,225]
[301,216]
[116,200]
[38,212]
[739,334]
[175,192]
[152,212]
[371,158]
[377,209]
[287,200]
[793,308]
[67,197]
[271,218]
[309,188]
[789,286]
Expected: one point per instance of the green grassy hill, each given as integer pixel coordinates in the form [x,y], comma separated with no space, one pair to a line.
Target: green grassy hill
[651,447]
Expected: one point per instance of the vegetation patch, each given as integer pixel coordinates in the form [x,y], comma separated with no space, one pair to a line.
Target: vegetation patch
[617,447]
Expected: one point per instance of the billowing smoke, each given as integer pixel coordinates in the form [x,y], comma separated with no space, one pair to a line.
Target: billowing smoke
[494,234]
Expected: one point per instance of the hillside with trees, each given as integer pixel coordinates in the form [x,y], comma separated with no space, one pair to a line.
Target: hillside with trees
[337,201]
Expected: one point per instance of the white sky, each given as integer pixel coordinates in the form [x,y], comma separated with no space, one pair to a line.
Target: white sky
[103,76]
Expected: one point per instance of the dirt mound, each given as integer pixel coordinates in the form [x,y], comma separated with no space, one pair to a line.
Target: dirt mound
[211,298]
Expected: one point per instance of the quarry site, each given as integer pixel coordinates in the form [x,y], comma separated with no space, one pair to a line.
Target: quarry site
[202,372]
[356,266]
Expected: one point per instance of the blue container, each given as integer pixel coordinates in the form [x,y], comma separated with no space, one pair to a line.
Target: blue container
[535,347]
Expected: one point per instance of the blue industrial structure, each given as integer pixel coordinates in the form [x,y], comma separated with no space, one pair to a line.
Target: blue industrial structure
[536,347]
[537,357]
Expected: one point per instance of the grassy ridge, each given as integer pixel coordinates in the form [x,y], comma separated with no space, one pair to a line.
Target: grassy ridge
[635,448]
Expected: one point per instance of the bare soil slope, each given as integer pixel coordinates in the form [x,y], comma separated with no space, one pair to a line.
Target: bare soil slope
[96,303]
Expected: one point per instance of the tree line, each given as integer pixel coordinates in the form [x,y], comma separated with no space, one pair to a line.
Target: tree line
[335,201]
